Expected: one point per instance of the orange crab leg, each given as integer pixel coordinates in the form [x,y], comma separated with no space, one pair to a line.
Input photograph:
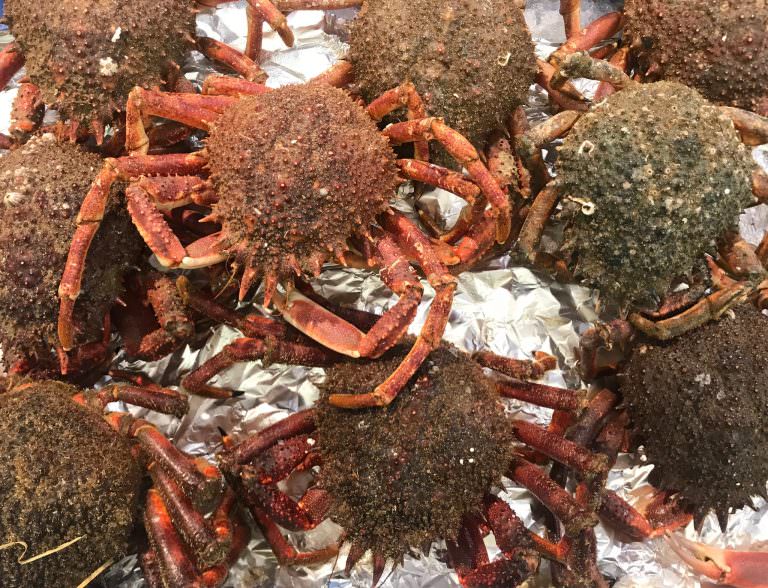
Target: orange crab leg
[760,186]
[193,110]
[538,215]
[571,12]
[174,564]
[209,543]
[620,60]
[232,58]
[338,75]
[215,85]
[523,369]
[175,191]
[752,127]
[11,61]
[740,569]
[406,96]
[440,177]
[227,516]
[28,111]
[541,395]
[299,423]
[603,28]
[566,97]
[465,154]
[290,5]
[267,11]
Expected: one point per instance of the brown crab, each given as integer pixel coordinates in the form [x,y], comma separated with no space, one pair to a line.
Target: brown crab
[42,185]
[88,480]
[718,48]
[425,467]
[83,57]
[291,175]
[651,178]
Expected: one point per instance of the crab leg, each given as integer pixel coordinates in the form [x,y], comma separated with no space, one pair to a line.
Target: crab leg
[28,111]
[603,28]
[193,110]
[574,516]
[440,177]
[339,75]
[201,481]
[246,349]
[517,368]
[540,395]
[533,226]
[302,515]
[215,85]
[709,308]
[740,569]
[582,65]
[175,566]
[228,516]
[157,399]
[619,60]
[753,127]
[175,191]
[406,96]
[465,154]
[11,61]
[566,96]
[232,58]
[571,12]
[299,423]
[291,5]
[91,214]
[265,10]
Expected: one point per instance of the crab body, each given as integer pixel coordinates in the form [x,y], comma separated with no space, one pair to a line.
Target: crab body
[472,62]
[43,185]
[68,476]
[719,48]
[294,194]
[86,56]
[709,443]
[657,175]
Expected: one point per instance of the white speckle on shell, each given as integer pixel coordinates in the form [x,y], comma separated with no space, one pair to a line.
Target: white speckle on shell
[107,66]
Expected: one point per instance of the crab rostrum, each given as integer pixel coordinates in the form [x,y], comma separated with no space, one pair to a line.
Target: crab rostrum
[651,179]
[42,185]
[74,484]
[295,177]
[83,57]
[718,48]
[423,468]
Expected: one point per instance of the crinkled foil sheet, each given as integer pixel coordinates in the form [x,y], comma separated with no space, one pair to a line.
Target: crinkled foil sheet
[501,307]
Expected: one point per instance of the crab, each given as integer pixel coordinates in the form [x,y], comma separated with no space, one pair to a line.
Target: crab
[83,58]
[426,467]
[651,179]
[291,175]
[707,446]
[42,185]
[718,48]
[74,480]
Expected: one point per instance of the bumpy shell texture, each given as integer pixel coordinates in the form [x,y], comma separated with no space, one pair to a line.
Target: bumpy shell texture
[404,476]
[299,170]
[86,56]
[42,185]
[65,474]
[664,175]
[719,48]
[698,406]
[471,61]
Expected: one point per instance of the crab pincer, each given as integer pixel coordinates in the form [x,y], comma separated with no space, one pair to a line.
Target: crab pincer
[740,569]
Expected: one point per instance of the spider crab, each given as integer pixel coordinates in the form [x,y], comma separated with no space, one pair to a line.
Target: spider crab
[707,446]
[83,58]
[88,476]
[718,48]
[427,467]
[42,185]
[651,179]
[312,173]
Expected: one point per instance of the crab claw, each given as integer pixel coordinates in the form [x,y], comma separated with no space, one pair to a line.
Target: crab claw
[740,569]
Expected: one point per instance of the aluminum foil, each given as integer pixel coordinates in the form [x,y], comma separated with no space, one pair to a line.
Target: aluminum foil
[507,309]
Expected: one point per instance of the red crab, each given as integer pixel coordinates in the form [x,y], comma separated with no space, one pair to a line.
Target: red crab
[83,58]
[718,48]
[425,468]
[643,208]
[292,175]
[186,547]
